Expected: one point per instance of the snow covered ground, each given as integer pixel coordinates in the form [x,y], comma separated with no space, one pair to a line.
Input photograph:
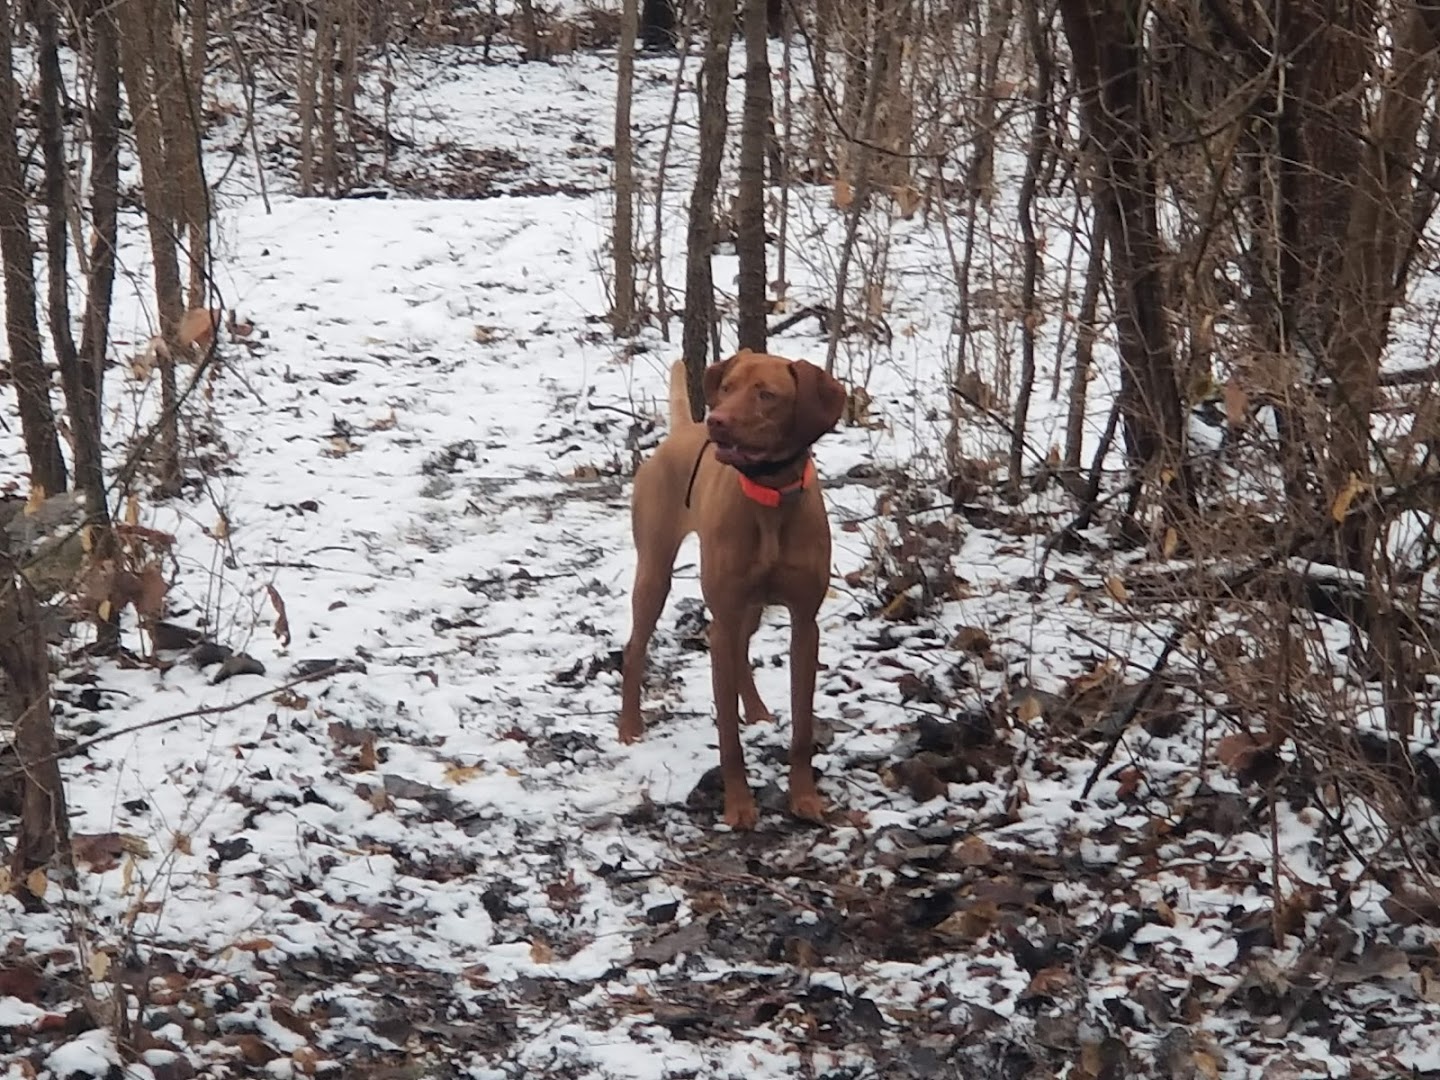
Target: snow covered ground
[436,859]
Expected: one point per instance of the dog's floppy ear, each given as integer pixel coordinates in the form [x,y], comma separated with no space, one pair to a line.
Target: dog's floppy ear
[715,375]
[819,401]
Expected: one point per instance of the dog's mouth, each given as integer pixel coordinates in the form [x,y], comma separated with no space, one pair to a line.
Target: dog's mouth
[735,454]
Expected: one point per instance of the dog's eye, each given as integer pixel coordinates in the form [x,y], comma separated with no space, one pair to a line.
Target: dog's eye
[765,395]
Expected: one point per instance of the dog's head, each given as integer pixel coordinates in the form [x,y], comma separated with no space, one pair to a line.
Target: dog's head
[766,408]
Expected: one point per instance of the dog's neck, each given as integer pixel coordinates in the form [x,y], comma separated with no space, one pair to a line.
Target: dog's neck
[774,473]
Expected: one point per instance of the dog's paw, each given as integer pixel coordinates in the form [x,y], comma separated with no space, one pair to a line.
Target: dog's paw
[760,715]
[808,806]
[630,730]
[742,815]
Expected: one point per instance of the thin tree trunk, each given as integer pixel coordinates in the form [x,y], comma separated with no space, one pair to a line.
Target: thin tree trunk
[1030,313]
[750,202]
[531,29]
[307,69]
[623,242]
[325,65]
[197,195]
[1085,332]
[1106,46]
[159,213]
[700,236]
[79,391]
[27,365]
[104,205]
[43,839]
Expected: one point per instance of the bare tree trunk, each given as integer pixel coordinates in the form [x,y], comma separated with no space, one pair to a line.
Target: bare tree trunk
[1379,232]
[307,69]
[700,236]
[159,214]
[325,66]
[530,27]
[1085,331]
[623,242]
[43,839]
[1030,313]
[750,201]
[197,196]
[104,207]
[1105,45]
[27,365]
[79,390]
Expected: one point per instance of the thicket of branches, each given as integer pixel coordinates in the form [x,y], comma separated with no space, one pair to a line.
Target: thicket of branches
[1235,203]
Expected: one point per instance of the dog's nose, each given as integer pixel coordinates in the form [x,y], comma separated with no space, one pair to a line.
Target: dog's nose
[717,423]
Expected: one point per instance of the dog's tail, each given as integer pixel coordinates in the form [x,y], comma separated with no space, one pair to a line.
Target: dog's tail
[679,397]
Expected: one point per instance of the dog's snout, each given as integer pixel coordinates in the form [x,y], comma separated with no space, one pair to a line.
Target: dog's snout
[718,423]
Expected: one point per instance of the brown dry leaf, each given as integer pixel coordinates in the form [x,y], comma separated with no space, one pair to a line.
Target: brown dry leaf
[282,620]
[973,851]
[253,1049]
[874,300]
[1340,508]
[844,196]
[149,598]
[368,758]
[1129,783]
[255,945]
[1235,751]
[1237,403]
[99,966]
[1116,588]
[1029,709]
[339,446]
[1427,984]
[221,529]
[306,1060]
[289,699]
[100,851]
[1165,913]
[35,500]
[1170,543]
[1050,982]
[908,200]
[182,844]
[972,923]
[37,882]
[1098,676]
[455,773]
[1206,1065]
[385,423]
[540,952]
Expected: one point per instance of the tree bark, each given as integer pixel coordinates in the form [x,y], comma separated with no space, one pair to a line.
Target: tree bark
[44,836]
[623,241]
[132,18]
[75,376]
[700,235]
[750,201]
[22,330]
[1105,45]
[104,208]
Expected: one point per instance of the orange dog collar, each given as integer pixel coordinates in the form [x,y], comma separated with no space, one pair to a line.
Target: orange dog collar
[774,497]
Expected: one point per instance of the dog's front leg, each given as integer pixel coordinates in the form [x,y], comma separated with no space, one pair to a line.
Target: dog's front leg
[805,799]
[727,646]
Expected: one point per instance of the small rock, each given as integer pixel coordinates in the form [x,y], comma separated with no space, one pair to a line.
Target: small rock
[238,664]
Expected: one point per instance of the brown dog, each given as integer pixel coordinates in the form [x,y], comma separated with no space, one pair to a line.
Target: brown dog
[745,482]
